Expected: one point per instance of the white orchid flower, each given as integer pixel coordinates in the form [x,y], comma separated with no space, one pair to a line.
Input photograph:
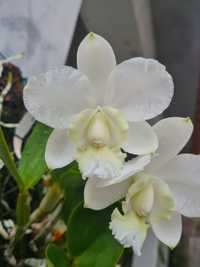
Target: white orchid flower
[157,196]
[99,109]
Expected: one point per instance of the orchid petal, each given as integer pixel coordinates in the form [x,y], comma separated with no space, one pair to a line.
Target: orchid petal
[168,231]
[141,88]
[141,139]
[163,201]
[99,198]
[117,124]
[129,229]
[183,177]
[78,125]
[102,163]
[96,59]
[59,151]
[130,168]
[54,97]
[173,133]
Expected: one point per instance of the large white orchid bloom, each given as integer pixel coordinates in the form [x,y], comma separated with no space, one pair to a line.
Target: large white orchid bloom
[167,187]
[99,109]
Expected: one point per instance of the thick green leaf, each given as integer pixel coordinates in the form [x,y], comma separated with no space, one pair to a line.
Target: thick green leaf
[56,256]
[104,252]
[7,158]
[72,197]
[85,226]
[70,180]
[68,176]
[32,164]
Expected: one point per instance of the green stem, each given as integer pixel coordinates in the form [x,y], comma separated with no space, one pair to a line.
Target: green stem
[48,203]
[7,158]
[22,214]
[23,209]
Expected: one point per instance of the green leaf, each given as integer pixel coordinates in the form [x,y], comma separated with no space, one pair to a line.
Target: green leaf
[72,197]
[104,252]
[90,241]
[85,226]
[56,256]
[70,180]
[7,158]
[32,164]
[68,176]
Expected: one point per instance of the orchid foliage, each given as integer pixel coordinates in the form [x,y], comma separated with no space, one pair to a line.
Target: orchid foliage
[111,175]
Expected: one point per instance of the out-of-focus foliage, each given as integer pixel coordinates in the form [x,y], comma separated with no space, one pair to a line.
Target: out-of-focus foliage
[32,164]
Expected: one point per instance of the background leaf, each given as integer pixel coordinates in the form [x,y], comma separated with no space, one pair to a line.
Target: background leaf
[104,252]
[72,197]
[32,164]
[85,226]
[68,176]
[7,158]
[90,242]
[56,256]
[70,180]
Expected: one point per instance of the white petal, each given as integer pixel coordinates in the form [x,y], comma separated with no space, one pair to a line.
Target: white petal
[117,124]
[150,252]
[59,151]
[169,231]
[163,201]
[141,88]
[99,198]
[173,134]
[102,163]
[183,177]
[141,139]
[130,168]
[96,59]
[129,229]
[54,97]
[1,164]
[78,125]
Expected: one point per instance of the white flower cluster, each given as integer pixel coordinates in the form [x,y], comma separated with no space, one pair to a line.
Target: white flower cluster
[100,111]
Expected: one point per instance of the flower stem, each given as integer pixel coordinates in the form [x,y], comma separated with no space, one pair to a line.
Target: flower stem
[48,203]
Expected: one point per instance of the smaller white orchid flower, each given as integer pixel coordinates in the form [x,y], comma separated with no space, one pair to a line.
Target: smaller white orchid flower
[167,187]
[99,109]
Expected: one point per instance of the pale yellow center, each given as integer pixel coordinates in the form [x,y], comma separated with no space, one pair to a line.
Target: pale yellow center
[142,202]
[150,197]
[98,133]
